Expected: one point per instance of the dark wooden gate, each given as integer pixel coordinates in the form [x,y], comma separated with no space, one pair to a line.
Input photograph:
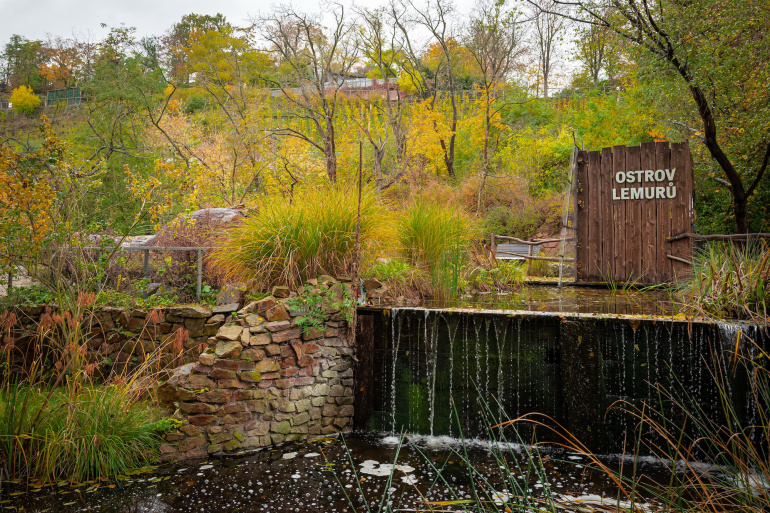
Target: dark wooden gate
[630,200]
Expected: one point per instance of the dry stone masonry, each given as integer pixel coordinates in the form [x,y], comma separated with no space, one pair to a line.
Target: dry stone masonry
[262,380]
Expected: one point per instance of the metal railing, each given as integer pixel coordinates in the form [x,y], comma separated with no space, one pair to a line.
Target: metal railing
[146,263]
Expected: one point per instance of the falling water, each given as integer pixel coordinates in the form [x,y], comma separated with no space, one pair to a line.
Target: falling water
[569,368]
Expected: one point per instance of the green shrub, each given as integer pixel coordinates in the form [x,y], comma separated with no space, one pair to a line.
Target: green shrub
[288,242]
[100,431]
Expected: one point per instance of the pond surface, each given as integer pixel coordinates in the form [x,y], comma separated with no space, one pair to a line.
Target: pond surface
[568,299]
[304,478]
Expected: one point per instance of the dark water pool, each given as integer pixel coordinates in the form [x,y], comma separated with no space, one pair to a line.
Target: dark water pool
[304,477]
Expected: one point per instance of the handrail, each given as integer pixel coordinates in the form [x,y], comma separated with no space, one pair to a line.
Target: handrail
[736,236]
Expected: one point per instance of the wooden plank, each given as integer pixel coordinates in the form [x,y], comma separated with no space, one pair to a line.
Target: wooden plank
[663,206]
[649,221]
[606,263]
[618,216]
[581,217]
[594,216]
[633,226]
[681,220]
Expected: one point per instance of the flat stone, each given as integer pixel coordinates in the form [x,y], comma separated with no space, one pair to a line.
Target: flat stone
[260,339]
[230,332]
[283,336]
[267,366]
[278,326]
[227,349]
[190,311]
[277,313]
[226,309]
[372,283]
[254,320]
[250,376]
[265,304]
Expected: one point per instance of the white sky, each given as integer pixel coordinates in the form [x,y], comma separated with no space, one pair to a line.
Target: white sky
[34,19]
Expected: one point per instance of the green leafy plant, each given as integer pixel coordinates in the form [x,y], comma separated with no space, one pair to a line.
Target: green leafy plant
[316,304]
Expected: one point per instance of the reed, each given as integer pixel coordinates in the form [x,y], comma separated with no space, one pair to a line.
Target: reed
[730,281]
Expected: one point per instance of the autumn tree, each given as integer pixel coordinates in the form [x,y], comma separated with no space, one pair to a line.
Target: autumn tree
[21,61]
[494,42]
[62,64]
[314,62]
[718,54]
[385,59]
[547,33]
[434,16]
[232,148]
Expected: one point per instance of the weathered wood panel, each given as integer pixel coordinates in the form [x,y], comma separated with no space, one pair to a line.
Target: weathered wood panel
[618,219]
[606,262]
[582,202]
[663,161]
[649,219]
[630,200]
[681,219]
[594,216]
[633,230]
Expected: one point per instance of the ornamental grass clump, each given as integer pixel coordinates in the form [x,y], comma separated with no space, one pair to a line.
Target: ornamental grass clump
[287,242]
[731,281]
[437,237]
[94,432]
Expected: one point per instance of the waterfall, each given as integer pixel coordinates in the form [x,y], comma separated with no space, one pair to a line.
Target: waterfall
[571,368]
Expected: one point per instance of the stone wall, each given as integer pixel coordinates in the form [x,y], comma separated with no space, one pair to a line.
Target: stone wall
[120,339]
[262,380]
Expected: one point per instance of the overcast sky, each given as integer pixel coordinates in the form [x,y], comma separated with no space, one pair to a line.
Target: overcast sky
[34,19]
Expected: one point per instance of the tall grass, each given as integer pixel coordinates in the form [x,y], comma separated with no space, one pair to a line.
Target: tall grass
[436,237]
[100,431]
[730,280]
[288,242]
[714,464]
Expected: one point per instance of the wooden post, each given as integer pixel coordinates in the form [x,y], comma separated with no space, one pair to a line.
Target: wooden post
[493,247]
[199,281]
[529,260]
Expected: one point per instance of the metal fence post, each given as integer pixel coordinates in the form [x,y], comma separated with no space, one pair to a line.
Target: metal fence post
[10,282]
[199,283]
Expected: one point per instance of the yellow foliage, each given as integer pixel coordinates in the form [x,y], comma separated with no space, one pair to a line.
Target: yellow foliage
[24,100]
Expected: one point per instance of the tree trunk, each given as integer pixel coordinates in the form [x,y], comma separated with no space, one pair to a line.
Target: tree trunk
[330,152]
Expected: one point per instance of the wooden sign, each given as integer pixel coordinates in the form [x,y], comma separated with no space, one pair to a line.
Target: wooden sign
[630,200]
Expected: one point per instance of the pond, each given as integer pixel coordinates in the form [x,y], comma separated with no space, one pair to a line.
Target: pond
[303,477]
[567,299]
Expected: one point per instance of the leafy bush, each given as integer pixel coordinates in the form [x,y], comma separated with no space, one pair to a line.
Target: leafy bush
[32,295]
[730,281]
[24,100]
[290,241]
[98,431]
